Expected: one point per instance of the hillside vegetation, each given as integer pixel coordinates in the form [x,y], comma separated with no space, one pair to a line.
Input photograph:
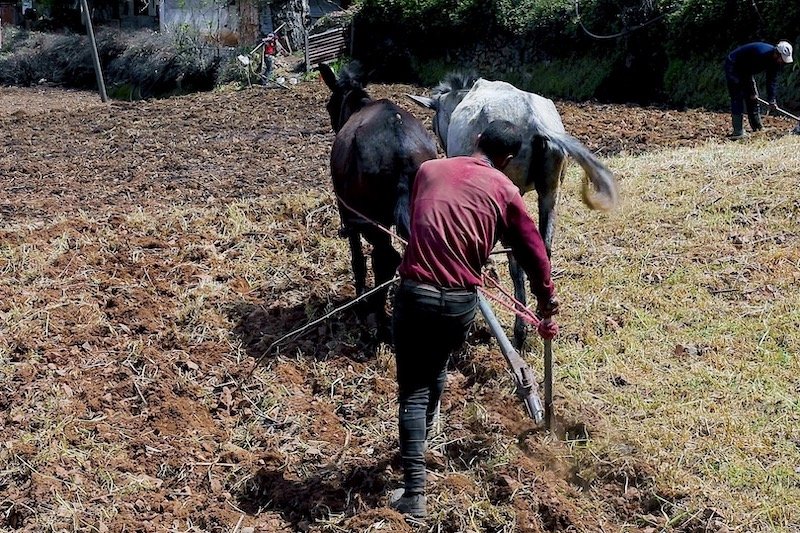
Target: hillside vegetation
[675,59]
[667,52]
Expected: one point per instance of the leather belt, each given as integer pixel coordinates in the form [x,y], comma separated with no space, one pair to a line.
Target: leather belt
[427,286]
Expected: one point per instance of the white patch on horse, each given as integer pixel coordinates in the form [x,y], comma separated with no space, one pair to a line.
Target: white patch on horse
[497,100]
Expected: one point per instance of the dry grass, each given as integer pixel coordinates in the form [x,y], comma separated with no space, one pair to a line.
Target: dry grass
[679,346]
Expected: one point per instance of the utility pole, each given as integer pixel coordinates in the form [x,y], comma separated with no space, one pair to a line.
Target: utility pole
[98,71]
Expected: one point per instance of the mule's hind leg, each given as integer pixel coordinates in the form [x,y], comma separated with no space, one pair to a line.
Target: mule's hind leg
[358,261]
[385,260]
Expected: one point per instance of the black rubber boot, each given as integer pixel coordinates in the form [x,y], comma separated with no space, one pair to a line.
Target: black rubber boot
[755,121]
[738,127]
[413,504]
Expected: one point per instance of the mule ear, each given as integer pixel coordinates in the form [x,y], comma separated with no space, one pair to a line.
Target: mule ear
[328,76]
[424,101]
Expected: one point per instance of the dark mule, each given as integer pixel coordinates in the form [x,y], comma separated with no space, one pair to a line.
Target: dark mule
[376,154]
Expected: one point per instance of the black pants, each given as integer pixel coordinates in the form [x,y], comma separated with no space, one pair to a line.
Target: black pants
[428,325]
[741,89]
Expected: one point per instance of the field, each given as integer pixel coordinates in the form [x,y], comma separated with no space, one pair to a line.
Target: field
[150,251]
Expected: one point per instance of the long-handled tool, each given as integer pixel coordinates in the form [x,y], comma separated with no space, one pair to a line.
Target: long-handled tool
[523,375]
[785,113]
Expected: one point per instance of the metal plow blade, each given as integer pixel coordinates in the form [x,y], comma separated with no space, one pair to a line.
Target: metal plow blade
[524,378]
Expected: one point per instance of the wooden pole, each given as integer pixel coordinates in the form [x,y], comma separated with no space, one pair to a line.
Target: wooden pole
[98,71]
[305,38]
[548,383]
[352,38]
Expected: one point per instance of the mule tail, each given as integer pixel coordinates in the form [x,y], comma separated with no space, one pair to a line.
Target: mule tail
[599,189]
[402,209]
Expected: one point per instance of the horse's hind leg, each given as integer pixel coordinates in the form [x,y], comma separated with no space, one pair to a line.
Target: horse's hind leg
[548,165]
[518,278]
[552,166]
[358,261]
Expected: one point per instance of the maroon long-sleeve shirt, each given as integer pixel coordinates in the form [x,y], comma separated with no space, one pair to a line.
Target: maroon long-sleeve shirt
[460,207]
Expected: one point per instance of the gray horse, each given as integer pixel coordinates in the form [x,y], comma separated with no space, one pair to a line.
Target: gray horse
[465,105]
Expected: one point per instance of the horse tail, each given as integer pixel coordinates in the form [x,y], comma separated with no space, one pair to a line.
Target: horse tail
[599,189]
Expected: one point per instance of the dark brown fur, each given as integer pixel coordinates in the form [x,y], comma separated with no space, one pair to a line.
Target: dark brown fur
[376,153]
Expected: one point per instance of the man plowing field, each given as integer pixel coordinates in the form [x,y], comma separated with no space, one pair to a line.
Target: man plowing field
[741,66]
[459,208]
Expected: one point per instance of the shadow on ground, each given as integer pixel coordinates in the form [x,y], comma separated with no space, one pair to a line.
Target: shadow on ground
[331,490]
[352,333]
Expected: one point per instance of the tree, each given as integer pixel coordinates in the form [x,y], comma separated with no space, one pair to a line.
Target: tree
[294,13]
[249,27]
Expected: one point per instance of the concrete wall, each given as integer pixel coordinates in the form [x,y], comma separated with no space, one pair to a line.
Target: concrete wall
[207,16]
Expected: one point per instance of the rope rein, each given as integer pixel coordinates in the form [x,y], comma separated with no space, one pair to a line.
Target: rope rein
[299,331]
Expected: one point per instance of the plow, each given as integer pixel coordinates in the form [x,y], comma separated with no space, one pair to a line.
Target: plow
[524,378]
[785,114]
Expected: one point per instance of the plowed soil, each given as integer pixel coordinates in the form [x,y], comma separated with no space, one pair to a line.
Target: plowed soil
[149,251]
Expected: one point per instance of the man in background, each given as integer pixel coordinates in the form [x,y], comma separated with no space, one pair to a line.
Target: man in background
[741,66]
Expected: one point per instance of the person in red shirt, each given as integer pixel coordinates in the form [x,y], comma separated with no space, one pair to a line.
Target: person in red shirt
[460,207]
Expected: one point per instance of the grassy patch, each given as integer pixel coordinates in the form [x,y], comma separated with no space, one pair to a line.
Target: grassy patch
[680,324]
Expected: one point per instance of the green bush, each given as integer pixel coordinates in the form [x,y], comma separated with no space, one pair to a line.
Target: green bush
[789,89]
[709,28]
[696,83]
[432,71]
[42,56]
[135,64]
[577,78]
[160,64]
[676,59]
[11,38]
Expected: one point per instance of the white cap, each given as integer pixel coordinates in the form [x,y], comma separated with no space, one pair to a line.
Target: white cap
[785,49]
